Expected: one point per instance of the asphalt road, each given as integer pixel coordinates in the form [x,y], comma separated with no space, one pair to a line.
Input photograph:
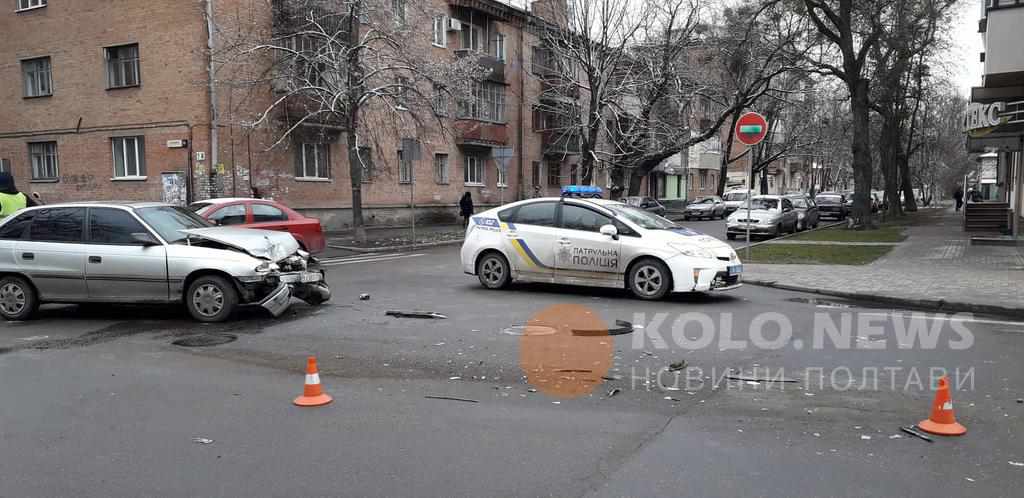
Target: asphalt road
[98,402]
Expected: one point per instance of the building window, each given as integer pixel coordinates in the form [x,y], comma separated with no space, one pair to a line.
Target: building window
[440,101]
[404,169]
[554,174]
[440,34]
[487,103]
[43,157]
[366,161]
[129,157]
[441,168]
[314,162]
[502,175]
[473,38]
[31,4]
[498,47]
[122,66]
[474,174]
[574,174]
[37,75]
[535,176]
[541,61]
[703,178]
[5,165]
[398,7]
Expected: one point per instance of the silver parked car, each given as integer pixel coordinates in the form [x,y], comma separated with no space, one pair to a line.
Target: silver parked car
[710,207]
[769,215]
[148,253]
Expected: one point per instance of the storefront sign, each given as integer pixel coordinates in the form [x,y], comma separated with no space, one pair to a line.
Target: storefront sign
[982,118]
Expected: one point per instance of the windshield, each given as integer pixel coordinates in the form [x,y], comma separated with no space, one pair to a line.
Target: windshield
[707,200]
[168,221]
[640,217]
[765,204]
[828,199]
[736,196]
[799,202]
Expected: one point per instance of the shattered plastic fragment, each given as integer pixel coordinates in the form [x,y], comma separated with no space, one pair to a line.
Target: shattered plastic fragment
[202,440]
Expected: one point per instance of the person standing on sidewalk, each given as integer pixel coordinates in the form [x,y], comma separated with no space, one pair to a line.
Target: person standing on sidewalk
[958,196]
[11,200]
[466,208]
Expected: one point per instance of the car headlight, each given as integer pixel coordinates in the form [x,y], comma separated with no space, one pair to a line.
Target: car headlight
[800,216]
[267,267]
[693,251]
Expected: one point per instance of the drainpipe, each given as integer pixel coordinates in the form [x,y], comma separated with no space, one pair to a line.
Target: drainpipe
[212,85]
[522,103]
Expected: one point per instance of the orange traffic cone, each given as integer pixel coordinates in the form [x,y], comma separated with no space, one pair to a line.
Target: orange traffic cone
[942,421]
[312,394]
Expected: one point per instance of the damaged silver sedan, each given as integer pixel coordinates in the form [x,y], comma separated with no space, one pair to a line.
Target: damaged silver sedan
[149,253]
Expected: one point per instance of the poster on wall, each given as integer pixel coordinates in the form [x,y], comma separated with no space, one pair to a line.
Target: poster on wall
[173,185]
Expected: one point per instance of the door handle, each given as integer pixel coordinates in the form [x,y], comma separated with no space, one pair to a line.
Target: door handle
[95,259]
[28,255]
[565,242]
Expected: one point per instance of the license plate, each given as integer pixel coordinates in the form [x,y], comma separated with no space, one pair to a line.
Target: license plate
[308,277]
[735,270]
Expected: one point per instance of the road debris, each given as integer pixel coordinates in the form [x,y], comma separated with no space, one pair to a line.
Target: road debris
[613,392]
[1020,401]
[451,398]
[415,314]
[621,327]
[202,440]
[895,436]
[439,344]
[679,365]
[865,437]
[913,431]
[1015,464]
[969,479]
[670,398]
[364,297]
[611,377]
[455,378]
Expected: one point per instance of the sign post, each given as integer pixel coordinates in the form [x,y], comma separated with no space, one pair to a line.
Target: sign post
[751,128]
[410,153]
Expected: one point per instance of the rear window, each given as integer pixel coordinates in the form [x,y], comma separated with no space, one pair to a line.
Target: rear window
[828,199]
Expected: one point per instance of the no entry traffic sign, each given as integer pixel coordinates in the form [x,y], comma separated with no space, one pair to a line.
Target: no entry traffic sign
[751,128]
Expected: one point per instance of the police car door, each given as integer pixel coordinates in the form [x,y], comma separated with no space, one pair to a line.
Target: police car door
[585,256]
[530,234]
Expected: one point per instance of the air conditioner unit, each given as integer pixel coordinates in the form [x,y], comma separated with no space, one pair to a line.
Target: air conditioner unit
[454,25]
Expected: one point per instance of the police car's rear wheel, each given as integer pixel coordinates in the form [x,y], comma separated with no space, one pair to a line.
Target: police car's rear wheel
[649,279]
[493,271]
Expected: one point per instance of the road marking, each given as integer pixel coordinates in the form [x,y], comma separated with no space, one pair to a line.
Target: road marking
[370,259]
[338,259]
[948,318]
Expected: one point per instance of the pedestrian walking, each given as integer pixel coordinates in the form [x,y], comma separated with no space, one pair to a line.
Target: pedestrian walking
[958,196]
[466,208]
[11,200]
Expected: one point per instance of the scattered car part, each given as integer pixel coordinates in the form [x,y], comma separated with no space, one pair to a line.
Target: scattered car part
[415,314]
[452,398]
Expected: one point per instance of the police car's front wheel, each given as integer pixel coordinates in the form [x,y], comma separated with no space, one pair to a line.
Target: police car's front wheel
[493,271]
[649,279]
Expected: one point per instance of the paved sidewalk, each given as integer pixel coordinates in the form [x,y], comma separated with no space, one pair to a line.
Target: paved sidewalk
[935,267]
[390,237]
[828,243]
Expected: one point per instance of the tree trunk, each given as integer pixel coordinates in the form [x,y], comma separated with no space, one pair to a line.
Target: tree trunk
[889,146]
[636,178]
[861,150]
[355,93]
[907,185]
[727,153]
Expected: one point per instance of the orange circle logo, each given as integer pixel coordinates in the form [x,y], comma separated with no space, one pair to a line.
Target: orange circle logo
[564,350]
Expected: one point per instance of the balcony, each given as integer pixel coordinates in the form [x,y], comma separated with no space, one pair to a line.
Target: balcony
[495,65]
[480,134]
[559,143]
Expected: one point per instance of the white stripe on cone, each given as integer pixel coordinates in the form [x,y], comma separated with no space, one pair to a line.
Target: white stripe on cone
[947,406]
[312,379]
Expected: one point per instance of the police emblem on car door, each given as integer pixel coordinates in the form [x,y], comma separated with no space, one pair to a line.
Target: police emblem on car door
[585,255]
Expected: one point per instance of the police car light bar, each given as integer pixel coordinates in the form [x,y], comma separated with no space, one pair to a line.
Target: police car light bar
[577,190]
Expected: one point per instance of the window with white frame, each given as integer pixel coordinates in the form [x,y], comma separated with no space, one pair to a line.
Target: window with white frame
[43,158]
[314,162]
[440,31]
[31,4]
[37,76]
[441,169]
[474,172]
[486,104]
[5,165]
[498,47]
[502,175]
[129,157]
[404,169]
[122,66]
[398,8]
[473,38]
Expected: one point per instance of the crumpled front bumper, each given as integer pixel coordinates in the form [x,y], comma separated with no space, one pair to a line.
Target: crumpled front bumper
[309,286]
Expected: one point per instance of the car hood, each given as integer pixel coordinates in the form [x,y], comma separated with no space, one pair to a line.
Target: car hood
[267,244]
[702,207]
[685,236]
[761,213]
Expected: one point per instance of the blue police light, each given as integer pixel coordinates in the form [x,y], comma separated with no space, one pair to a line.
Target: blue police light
[581,191]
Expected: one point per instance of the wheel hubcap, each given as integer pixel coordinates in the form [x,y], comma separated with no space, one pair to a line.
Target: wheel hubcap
[208,300]
[493,271]
[12,299]
[648,280]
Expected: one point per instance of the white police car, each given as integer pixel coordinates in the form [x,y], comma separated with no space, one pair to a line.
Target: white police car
[595,242]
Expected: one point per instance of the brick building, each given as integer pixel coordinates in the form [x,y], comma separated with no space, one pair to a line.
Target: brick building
[114,99]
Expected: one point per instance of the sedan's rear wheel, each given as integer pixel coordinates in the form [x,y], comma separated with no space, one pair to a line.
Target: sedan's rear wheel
[211,299]
[494,271]
[18,300]
[650,279]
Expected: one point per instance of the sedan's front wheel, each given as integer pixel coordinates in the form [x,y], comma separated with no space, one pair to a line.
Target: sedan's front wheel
[211,299]
[650,279]
[18,300]
[493,271]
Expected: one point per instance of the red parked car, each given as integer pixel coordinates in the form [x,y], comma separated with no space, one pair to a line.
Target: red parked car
[263,214]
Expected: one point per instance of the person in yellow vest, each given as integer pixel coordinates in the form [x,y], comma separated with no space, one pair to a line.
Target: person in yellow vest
[11,201]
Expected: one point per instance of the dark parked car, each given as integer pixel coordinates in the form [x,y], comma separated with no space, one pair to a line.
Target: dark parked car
[646,203]
[807,211]
[831,205]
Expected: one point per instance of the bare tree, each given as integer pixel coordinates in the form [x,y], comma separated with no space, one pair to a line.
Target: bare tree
[357,68]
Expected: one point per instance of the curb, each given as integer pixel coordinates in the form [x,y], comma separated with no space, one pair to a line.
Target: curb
[394,248]
[783,237]
[927,304]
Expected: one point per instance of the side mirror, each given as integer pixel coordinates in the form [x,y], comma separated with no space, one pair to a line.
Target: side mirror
[610,231]
[144,239]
